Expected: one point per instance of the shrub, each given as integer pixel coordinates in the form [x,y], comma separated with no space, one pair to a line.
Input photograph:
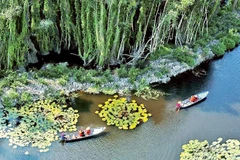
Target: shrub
[122,72]
[229,43]
[54,71]
[108,75]
[133,73]
[162,51]
[43,81]
[218,49]
[234,35]
[25,97]
[161,72]
[62,81]
[183,55]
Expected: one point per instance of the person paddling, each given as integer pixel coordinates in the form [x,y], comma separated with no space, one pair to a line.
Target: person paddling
[178,106]
[63,136]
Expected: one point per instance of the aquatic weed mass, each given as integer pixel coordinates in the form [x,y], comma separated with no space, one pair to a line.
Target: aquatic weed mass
[123,114]
[37,124]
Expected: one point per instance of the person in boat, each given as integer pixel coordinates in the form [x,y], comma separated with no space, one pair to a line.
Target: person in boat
[67,137]
[194,98]
[73,136]
[88,131]
[63,136]
[178,105]
[81,133]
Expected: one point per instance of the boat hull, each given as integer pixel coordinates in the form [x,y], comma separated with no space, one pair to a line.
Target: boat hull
[95,132]
[187,103]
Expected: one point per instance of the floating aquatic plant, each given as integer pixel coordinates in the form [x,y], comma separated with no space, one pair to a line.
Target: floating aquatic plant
[123,114]
[37,124]
[147,93]
[217,150]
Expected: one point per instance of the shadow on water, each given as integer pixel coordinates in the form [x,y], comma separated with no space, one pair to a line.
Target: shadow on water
[82,105]
[186,84]
[217,81]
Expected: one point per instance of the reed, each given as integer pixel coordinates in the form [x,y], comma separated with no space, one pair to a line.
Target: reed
[105,32]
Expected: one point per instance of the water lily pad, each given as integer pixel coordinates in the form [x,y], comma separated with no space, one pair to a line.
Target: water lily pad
[125,115]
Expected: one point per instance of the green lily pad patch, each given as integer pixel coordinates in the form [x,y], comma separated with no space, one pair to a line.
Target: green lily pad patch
[123,114]
[37,124]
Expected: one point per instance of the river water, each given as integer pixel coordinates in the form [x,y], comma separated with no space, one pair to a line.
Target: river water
[162,137]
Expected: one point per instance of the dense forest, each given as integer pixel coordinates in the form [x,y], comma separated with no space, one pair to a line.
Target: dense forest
[103,32]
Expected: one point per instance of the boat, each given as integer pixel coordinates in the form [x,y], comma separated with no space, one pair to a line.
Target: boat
[200,97]
[94,132]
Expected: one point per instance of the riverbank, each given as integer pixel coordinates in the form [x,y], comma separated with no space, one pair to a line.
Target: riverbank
[36,85]
[54,80]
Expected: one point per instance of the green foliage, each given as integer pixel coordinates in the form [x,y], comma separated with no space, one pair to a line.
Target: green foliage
[218,48]
[43,81]
[234,35]
[184,55]
[161,72]
[147,93]
[63,80]
[122,72]
[103,31]
[10,98]
[25,98]
[14,79]
[203,41]
[229,43]
[109,90]
[54,71]
[108,75]
[161,52]
[78,74]
[224,24]
[133,73]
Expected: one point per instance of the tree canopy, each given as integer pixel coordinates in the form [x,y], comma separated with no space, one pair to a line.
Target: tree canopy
[104,32]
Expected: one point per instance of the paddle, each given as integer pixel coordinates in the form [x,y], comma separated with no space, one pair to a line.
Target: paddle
[178,109]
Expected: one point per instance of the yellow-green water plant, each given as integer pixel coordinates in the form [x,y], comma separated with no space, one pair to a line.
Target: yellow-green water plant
[148,93]
[217,150]
[37,124]
[124,114]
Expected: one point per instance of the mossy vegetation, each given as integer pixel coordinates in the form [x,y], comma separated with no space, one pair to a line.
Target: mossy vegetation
[122,113]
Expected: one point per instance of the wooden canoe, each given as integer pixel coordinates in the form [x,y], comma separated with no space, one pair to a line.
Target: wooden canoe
[94,132]
[187,103]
